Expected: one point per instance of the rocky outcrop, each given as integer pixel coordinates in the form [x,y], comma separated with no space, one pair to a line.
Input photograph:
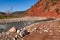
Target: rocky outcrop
[45,8]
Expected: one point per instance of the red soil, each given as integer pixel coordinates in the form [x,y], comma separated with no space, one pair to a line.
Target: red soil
[45,8]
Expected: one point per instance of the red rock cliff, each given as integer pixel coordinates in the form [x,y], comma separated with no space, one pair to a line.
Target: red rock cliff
[45,8]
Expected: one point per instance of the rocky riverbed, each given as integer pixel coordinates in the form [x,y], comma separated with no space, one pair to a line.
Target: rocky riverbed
[21,23]
[45,30]
[8,30]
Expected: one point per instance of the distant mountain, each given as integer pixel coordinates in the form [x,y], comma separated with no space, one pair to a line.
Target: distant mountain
[45,8]
[2,13]
[18,12]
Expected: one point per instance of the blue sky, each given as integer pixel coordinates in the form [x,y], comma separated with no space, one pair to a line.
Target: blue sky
[17,5]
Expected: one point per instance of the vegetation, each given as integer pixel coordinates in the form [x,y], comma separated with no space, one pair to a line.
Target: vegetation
[46,9]
[57,10]
[12,16]
[47,2]
[7,17]
[17,14]
[54,1]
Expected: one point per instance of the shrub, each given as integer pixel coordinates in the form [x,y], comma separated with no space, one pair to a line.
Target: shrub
[57,10]
[54,2]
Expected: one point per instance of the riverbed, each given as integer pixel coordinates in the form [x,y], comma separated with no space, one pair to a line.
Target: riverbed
[19,24]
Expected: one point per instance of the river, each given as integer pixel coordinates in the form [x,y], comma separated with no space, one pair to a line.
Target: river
[21,24]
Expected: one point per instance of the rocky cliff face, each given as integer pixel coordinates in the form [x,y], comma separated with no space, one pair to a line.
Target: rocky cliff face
[45,8]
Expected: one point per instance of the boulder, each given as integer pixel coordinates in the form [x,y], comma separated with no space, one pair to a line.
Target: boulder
[13,29]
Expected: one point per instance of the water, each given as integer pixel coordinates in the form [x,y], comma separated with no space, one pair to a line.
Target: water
[21,24]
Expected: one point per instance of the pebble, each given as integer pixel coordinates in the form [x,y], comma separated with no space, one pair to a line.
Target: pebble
[40,28]
[13,38]
[16,36]
[59,31]
[45,30]
[54,36]
[46,39]
[18,31]
[7,33]
[51,33]
[35,28]
[40,32]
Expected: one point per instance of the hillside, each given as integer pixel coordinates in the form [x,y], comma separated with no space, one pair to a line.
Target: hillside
[45,8]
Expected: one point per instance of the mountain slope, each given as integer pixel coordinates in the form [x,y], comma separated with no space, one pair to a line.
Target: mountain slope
[45,8]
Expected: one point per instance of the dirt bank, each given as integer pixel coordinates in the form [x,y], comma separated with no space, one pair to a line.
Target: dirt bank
[21,19]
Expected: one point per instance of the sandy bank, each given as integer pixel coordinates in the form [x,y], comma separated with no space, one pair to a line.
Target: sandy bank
[21,19]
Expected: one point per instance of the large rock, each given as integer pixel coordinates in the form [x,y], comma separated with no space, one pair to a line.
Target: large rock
[13,29]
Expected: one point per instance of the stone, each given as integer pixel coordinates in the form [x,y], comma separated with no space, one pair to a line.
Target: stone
[18,31]
[45,30]
[16,36]
[7,33]
[13,29]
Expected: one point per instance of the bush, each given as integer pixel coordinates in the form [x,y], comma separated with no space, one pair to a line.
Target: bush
[57,10]
[46,8]
[54,2]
